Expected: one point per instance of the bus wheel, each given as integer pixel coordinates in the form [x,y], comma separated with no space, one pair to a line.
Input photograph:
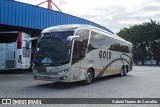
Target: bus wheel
[125,70]
[122,72]
[89,77]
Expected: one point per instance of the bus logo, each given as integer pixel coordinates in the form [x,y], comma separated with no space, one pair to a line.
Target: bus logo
[105,54]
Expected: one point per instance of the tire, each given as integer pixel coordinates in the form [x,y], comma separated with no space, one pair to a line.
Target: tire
[122,72]
[125,71]
[89,77]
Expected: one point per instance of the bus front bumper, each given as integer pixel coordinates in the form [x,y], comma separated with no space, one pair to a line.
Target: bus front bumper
[55,78]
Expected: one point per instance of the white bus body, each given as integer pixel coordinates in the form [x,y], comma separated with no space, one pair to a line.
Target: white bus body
[69,53]
[13,51]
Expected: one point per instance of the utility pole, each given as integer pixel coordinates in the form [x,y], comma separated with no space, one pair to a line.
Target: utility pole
[50,2]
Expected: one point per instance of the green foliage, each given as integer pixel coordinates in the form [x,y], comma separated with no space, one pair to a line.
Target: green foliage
[145,38]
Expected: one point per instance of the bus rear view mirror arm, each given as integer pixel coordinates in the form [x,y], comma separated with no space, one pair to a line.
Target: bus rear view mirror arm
[31,39]
[35,38]
[70,38]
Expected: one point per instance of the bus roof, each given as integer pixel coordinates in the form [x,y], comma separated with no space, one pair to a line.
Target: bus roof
[68,27]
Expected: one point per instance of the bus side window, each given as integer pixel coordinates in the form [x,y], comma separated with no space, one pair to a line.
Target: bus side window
[96,41]
[80,45]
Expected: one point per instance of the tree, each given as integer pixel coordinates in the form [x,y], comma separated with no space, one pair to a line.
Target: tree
[145,38]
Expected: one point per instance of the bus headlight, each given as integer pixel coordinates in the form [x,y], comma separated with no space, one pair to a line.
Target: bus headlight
[62,72]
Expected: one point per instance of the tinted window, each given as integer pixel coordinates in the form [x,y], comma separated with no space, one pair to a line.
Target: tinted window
[80,45]
[97,40]
[8,37]
[119,46]
[52,48]
[101,41]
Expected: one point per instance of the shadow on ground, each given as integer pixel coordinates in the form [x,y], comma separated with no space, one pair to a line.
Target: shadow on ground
[8,72]
[59,85]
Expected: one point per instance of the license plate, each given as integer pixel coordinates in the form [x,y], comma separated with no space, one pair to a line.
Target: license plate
[46,77]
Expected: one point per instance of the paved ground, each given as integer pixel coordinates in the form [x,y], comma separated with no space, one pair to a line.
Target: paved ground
[142,82]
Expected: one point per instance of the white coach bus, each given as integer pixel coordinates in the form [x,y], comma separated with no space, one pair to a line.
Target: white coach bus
[13,51]
[69,53]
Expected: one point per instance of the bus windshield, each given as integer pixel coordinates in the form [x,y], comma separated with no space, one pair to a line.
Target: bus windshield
[52,48]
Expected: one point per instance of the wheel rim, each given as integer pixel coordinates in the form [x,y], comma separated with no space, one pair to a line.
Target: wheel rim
[89,76]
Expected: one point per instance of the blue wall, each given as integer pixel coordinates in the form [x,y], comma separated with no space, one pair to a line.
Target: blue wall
[30,16]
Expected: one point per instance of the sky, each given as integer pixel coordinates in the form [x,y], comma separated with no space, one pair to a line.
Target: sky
[113,14]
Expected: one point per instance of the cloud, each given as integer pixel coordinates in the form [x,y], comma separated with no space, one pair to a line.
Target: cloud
[115,17]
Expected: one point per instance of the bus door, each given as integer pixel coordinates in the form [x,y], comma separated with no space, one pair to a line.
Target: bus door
[78,59]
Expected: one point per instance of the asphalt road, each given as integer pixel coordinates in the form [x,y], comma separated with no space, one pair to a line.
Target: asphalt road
[141,82]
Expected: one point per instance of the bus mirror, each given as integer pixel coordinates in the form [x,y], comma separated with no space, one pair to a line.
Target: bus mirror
[70,38]
[68,45]
[28,42]
[35,38]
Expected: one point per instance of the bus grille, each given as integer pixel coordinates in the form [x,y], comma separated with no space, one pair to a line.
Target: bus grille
[10,63]
[10,55]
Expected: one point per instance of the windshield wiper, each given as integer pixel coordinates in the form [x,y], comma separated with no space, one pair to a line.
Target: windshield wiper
[53,59]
